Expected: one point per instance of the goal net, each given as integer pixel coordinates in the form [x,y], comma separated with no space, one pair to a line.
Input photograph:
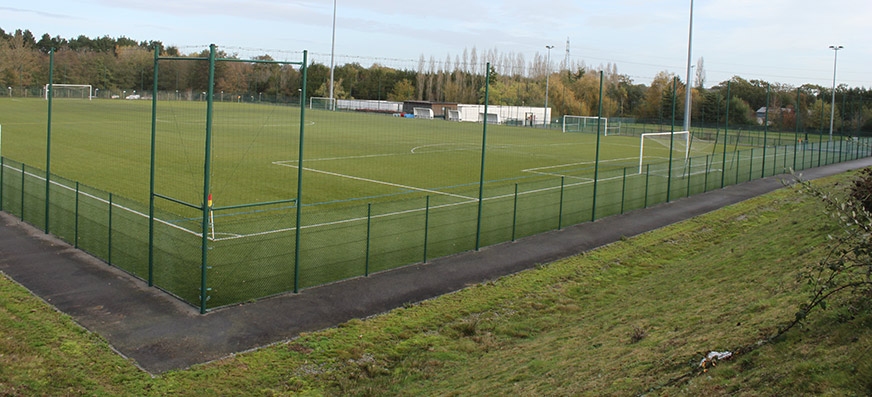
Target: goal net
[423,113]
[654,146]
[76,91]
[492,118]
[452,115]
[586,124]
[323,103]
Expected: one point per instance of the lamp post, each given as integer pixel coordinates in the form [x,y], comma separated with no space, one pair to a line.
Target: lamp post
[833,102]
[547,80]
[687,94]
[332,53]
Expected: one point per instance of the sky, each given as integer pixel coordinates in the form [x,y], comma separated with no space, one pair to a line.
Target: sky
[783,41]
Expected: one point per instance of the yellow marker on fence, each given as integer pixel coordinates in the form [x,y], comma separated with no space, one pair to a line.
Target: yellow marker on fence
[211,215]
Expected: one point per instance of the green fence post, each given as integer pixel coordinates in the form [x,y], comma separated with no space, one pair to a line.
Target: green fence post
[726,125]
[596,164]
[647,177]
[707,169]
[821,133]
[515,213]
[299,202]
[738,164]
[765,136]
[560,211]
[151,172]
[623,189]
[76,220]
[49,94]
[2,168]
[689,173]
[841,139]
[22,191]
[109,259]
[671,142]
[368,221]
[426,224]
[483,146]
[204,245]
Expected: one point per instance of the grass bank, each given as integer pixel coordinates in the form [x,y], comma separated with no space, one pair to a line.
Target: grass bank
[618,320]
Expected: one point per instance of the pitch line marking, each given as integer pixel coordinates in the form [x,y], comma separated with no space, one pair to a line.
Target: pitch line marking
[381,182]
[42,178]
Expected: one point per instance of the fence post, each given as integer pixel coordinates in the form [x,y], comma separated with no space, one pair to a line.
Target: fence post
[726,125]
[109,259]
[368,221]
[739,165]
[22,191]
[796,129]
[515,213]
[2,168]
[623,190]
[76,220]
[560,213]
[765,136]
[647,176]
[426,225]
[299,202]
[671,142]
[689,173]
[705,187]
[483,146]
[151,172]
[204,244]
[596,164]
[49,93]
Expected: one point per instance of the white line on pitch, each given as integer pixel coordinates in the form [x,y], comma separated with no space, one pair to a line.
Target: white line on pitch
[579,163]
[42,178]
[383,182]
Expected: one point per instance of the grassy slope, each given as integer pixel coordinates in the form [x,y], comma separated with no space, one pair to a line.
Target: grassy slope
[712,283]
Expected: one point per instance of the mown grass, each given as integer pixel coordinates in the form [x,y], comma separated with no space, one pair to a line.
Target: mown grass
[618,320]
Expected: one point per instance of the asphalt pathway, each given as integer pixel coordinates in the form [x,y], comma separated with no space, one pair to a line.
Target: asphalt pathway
[161,333]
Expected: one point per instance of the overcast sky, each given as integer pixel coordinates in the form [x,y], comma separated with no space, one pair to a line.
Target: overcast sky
[776,40]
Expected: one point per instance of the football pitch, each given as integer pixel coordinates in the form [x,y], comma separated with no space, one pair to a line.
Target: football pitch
[377,191]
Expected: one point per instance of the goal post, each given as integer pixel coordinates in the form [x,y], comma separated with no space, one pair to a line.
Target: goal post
[587,124]
[680,141]
[423,113]
[78,91]
[452,115]
[323,103]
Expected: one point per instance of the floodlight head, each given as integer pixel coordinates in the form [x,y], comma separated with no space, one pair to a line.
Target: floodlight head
[549,46]
[836,48]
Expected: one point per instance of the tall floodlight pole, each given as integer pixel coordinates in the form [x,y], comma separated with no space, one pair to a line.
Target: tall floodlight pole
[687,96]
[547,78]
[833,102]
[332,54]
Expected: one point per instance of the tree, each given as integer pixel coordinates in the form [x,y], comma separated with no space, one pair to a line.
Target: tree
[338,90]
[404,90]
[700,74]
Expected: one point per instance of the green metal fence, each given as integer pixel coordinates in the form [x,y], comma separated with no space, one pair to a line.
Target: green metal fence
[258,248]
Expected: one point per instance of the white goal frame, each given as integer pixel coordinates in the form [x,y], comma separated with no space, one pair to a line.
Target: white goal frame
[422,113]
[90,89]
[452,115]
[642,144]
[331,102]
[585,122]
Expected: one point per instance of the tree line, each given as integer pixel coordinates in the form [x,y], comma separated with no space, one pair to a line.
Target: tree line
[573,88]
